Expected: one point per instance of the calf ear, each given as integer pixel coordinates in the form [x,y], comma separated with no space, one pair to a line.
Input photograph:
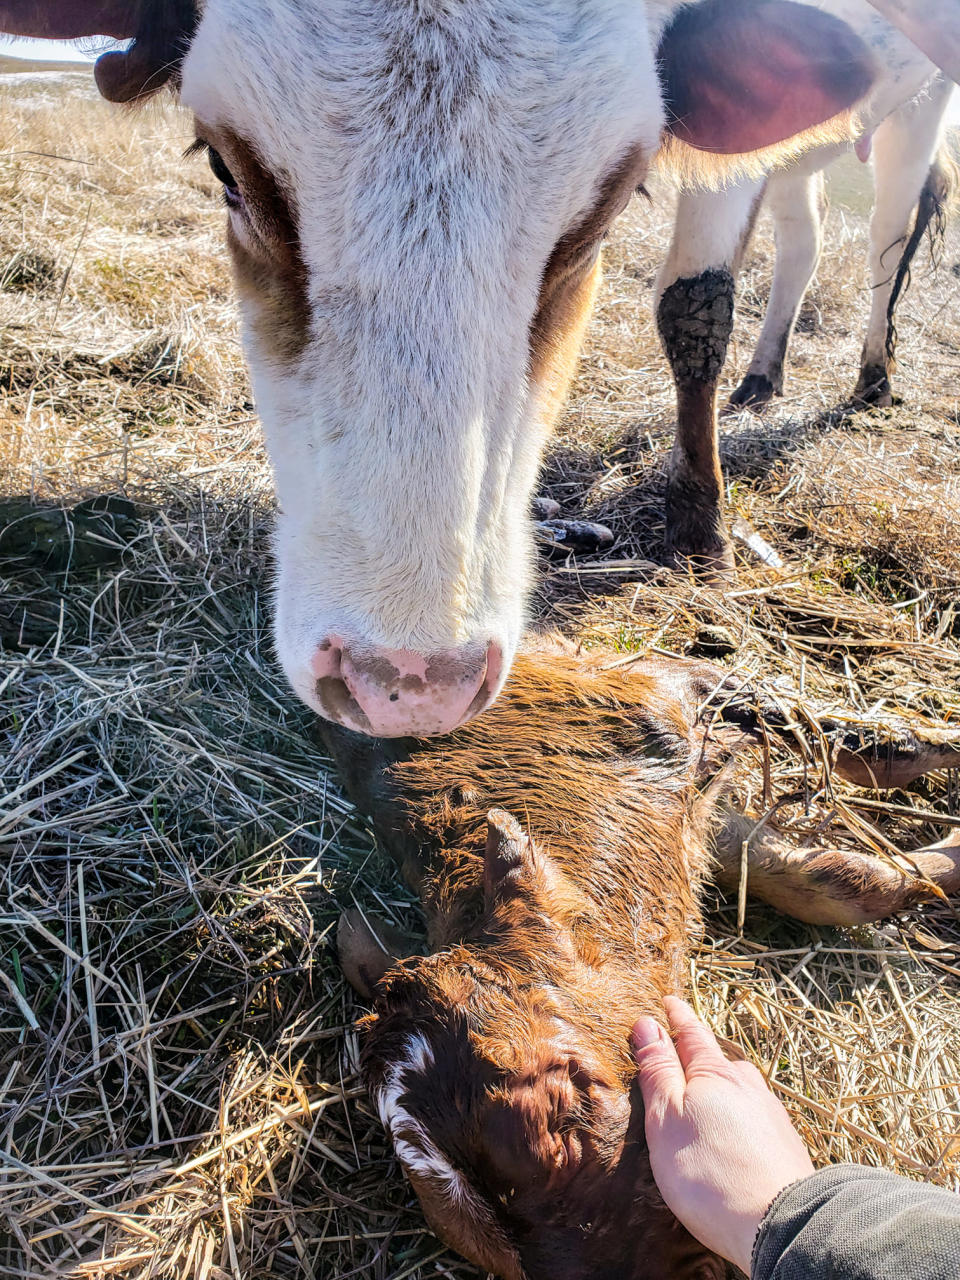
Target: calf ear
[741,75]
[508,861]
[367,949]
[467,1224]
[159,29]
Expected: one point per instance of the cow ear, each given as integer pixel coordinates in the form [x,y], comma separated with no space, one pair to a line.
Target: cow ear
[161,37]
[160,31]
[741,75]
[508,861]
[70,19]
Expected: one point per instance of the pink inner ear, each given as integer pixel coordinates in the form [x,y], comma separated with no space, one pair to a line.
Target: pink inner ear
[739,75]
[69,19]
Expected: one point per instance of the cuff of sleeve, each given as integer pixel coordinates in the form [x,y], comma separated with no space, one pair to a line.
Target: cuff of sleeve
[794,1205]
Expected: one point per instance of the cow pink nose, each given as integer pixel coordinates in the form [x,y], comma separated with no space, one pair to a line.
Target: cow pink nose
[397,693]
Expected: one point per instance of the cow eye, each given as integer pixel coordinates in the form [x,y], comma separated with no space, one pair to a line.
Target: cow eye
[231,188]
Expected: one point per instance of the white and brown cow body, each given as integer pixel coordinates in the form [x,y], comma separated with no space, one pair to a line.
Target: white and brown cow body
[500,1061]
[417,190]
[449,180]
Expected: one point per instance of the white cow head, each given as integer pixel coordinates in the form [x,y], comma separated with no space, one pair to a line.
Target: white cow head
[416,193]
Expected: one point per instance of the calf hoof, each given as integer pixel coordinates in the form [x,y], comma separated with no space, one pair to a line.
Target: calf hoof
[93,535]
[755,391]
[873,388]
[582,537]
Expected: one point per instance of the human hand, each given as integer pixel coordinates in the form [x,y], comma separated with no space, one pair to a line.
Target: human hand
[722,1147]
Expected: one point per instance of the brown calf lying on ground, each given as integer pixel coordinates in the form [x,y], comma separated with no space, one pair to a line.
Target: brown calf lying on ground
[500,1063]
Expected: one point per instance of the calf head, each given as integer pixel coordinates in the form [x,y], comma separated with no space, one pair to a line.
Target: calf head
[502,1070]
[416,195]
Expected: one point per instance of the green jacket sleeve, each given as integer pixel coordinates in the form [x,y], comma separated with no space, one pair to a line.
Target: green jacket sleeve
[847,1222]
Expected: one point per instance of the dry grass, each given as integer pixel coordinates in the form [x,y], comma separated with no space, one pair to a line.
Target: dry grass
[177,1089]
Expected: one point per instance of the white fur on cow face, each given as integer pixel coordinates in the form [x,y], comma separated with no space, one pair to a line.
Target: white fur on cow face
[433,152]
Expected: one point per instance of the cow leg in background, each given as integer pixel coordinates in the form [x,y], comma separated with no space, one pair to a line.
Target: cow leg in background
[908,177]
[695,318]
[798,204]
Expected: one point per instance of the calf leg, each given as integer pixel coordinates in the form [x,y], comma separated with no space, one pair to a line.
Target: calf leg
[832,886]
[695,318]
[908,177]
[798,205]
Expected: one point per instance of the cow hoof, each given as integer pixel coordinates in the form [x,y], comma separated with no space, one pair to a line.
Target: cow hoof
[873,389]
[755,391]
[713,564]
[696,539]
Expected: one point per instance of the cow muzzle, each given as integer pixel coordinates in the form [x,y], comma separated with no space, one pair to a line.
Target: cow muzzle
[395,693]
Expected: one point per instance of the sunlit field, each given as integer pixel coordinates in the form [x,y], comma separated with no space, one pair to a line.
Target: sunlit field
[178,1087]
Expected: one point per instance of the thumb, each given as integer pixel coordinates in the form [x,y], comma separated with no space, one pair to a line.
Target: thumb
[661,1077]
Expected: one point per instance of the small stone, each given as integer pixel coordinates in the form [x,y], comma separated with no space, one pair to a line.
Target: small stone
[544,509]
[713,642]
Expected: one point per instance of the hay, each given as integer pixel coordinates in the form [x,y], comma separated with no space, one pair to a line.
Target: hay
[178,1095]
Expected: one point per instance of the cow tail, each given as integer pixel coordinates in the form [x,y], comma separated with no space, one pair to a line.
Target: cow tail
[942,184]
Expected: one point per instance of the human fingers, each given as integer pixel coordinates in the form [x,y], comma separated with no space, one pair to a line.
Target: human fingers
[661,1077]
[696,1045]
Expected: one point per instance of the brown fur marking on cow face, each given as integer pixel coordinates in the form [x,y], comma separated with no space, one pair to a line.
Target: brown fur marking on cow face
[264,246]
[569,287]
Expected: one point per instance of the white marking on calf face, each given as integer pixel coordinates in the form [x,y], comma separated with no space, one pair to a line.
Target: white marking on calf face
[415,1149]
[432,153]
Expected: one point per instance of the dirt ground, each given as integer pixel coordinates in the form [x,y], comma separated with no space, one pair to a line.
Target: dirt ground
[178,1095]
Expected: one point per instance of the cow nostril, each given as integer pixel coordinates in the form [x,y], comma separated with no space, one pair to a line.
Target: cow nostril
[339,704]
[394,697]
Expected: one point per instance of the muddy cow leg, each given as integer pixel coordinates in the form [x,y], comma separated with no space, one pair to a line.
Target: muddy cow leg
[908,177]
[798,205]
[695,319]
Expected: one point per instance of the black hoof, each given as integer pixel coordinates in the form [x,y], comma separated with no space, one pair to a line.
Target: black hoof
[93,535]
[873,389]
[755,391]
[579,536]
